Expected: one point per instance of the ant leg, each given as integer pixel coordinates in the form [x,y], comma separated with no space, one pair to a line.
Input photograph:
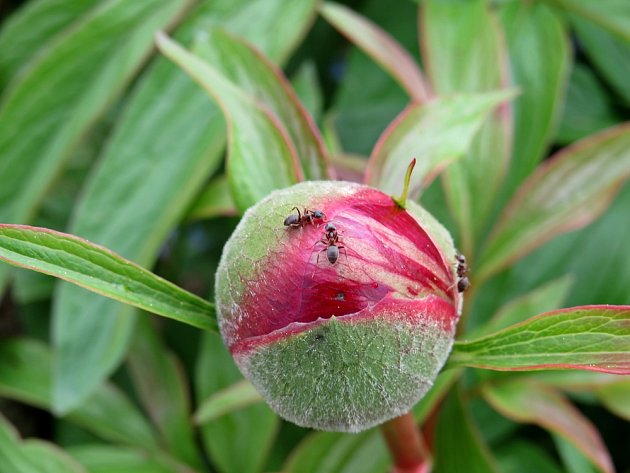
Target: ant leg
[344,251]
[320,241]
[320,252]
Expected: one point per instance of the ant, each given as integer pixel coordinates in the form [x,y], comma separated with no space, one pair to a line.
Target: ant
[462,268]
[308,216]
[331,240]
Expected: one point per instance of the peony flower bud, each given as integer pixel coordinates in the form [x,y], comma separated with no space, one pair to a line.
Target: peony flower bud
[339,338]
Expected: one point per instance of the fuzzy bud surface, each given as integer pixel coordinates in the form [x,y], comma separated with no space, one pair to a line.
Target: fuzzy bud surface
[347,345]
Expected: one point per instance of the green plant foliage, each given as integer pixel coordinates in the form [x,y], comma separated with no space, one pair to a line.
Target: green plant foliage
[26,374]
[98,269]
[232,398]
[590,337]
[334,452]
[380,46]
[114,459]
[455,427]
[261,157]
[529,402]
[161,385]
[542,78]
[32,456]
[464,51]
[239,441]
[157,159]
[149,127]
[438,132]
[590,171]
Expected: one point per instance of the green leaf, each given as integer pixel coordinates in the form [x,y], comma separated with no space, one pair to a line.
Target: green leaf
[510,459]
[613,15]
[215,201]
[160,154]
[588,337]
[117,459]
[574,460]
[261,155]
[333,452]
[160,382]
[609,54]
[46,112]
[540,405]
[436,133]
[432,399]
[368,98]
[258,77]
[574,381]
[590,173]
[33,27]
[99,270]
[588,107]
[455,427]
[25,375]
[542,77]
[379,45]
[238,442]
[308,90]
[238,395]
[543,299]
[32,456]
[464,51]
[615,397]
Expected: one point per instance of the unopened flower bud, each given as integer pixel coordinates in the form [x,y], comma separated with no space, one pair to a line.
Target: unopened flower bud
[341,319]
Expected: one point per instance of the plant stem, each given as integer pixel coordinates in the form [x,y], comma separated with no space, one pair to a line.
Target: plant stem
[406,446]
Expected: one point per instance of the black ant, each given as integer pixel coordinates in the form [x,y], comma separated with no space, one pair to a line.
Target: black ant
[462,268]
[301,219]
[331,240]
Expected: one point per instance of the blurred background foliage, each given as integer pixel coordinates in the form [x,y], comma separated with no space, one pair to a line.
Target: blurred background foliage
[103,138]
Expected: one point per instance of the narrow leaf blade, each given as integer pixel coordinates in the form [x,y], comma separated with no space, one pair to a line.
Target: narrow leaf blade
[232,398]
[379,45]
[30,456]
[455,427]
[26,376]
[160,382]
[464,51]
[336,452]
[239,442]
[248,68]
[613,15]
[615,397]
[45,115]
[537,404]
[543,299]
[593,338]
[102,458]
[51,105]
[214,201]
[608,53]
[436,133]
[32,28]
[261,156]
[542,77]
[567,192]
[98,269]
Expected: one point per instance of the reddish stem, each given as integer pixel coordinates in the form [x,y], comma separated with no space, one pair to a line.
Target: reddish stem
[406,446]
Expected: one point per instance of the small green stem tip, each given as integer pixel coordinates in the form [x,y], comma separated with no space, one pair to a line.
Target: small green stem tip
[402,200]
